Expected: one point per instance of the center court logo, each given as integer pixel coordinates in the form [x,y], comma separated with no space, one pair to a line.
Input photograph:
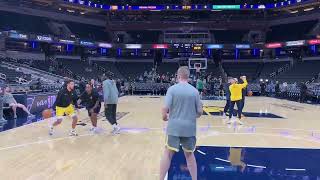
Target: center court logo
[213,109]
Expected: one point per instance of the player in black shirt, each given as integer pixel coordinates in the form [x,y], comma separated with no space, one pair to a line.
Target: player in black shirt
[64,106]
[90,99]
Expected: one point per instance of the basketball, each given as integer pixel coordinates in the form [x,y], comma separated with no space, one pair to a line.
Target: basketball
[250,93]
[47,114]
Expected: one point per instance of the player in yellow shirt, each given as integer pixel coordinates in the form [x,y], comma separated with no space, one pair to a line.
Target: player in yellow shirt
[236,97]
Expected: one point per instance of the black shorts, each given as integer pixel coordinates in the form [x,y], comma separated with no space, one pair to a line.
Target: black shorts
[96,110]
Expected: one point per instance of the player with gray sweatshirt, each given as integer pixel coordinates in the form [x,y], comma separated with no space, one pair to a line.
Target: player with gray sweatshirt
[110,95]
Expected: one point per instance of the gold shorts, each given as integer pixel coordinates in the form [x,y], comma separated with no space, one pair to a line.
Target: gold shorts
[65,111]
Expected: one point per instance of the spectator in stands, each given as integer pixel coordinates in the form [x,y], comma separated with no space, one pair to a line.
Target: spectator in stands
[118,84]
[38,84]
[263,88]
[82,85]
[173,80]
[163,78]
[88,69]
[9,101]
[221,90]
[209,77]
[93,83]
[145,74]
[303,92]
[277,89]
[199,86]
[162,90]
[130,88]
[51,69]
[220,80]
[141,78]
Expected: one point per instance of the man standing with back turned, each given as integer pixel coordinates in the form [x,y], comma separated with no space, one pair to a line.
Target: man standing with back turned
[182,107]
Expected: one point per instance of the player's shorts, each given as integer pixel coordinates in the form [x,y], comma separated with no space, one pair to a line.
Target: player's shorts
[65,111]
[96,110]
[188,143]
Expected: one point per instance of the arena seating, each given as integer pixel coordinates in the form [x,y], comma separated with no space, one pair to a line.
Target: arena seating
[41,65]
[167,68]
[149,87]
[271,67]
[301,72]
[133,70]
[229,36]
[14,21]
[144,36]
[81,68]
[214,70]
[89,32]
[293,31]
[11,74]
[237,69]
[109,67]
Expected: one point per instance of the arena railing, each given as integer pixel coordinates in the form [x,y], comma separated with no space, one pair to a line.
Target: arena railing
[280,70]
[38,72]
[3,76]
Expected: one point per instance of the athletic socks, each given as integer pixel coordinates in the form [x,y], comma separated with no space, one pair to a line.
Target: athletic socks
[73,133]
[50,130]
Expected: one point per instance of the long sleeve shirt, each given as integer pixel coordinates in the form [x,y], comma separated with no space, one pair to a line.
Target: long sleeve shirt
[236,90]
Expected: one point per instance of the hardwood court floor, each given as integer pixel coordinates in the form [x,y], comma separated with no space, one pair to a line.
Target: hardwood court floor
[28,153]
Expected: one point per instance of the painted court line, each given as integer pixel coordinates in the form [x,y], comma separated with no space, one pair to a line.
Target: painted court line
[91,134]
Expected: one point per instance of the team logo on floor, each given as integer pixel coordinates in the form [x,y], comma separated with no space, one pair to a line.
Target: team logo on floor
[218,111]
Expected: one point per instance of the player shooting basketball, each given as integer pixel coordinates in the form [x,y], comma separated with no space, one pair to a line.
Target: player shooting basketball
[236,97]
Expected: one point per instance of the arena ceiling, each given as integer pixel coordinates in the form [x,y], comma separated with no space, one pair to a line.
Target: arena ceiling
[212,19]
[184,2]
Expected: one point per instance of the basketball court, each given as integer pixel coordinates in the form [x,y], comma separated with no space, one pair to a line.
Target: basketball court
[28,153]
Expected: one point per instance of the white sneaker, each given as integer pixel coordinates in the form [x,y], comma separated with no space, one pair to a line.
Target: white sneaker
[224,116]
[73,133]
[96,131]
[239,121]
[51,131]
[31,116]
[231,120]
[92,129]
[116,130]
